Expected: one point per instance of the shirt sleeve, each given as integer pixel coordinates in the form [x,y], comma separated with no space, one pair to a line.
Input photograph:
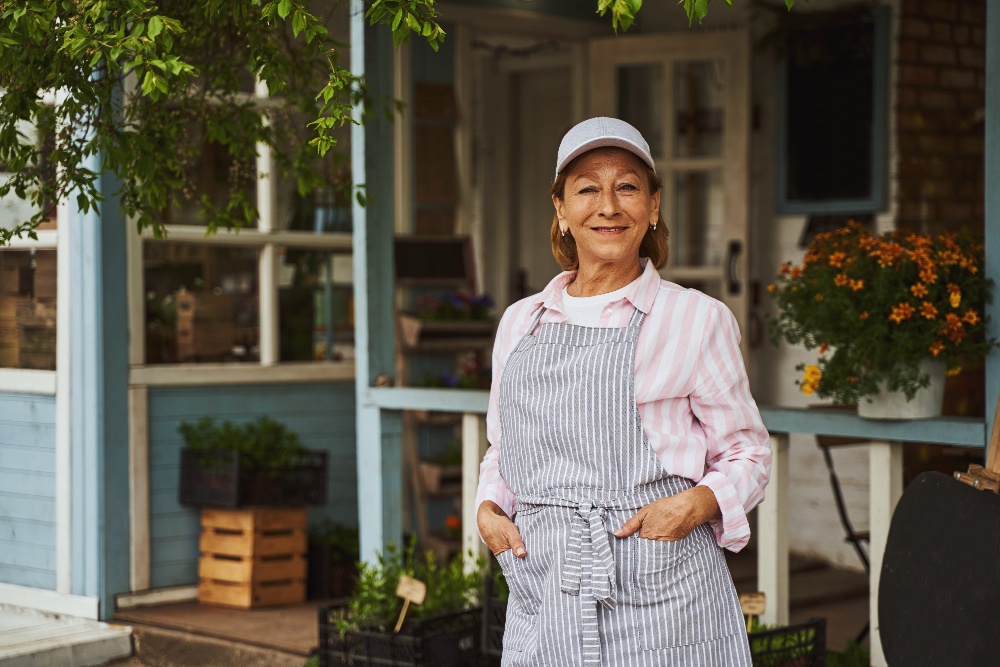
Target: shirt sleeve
[491,484]
[738,460]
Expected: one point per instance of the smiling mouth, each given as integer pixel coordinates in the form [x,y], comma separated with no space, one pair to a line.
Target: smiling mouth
[609,229]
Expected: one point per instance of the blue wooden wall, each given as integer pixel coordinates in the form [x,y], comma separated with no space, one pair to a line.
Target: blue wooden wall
[28,490]
[322,414]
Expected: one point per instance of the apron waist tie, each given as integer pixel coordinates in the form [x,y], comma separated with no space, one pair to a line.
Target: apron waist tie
[597,562]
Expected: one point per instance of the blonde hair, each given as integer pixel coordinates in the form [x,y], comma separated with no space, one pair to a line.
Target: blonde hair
[654,243]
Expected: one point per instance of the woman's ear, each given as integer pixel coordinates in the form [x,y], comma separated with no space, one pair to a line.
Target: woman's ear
[655,210]
[560,214]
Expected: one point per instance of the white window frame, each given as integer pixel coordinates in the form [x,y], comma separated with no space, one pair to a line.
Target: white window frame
[269,241]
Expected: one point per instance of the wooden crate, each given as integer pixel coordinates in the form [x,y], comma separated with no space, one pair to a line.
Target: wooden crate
[252,557]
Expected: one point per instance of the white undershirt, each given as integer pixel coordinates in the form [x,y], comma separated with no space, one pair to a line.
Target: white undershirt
[585,311]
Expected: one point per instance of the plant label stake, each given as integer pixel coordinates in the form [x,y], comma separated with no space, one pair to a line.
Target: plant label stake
[411,590]
[753,604]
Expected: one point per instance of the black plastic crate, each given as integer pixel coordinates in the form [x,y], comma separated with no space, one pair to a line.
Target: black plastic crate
[218,479]
[450,640]
[494,619]
[801,645]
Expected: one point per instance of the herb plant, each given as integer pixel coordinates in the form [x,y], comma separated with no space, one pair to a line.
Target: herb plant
[264,444]
[374,606]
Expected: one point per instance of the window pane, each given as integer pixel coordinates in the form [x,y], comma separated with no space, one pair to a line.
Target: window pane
[201,303]
[28,309]
[640,101]
[211,173]
[699,87]
[830,112]
[315,306]
[696,231]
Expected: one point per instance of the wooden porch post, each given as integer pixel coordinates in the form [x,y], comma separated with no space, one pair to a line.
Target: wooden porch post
[992,203]
[380,478]
[772,530]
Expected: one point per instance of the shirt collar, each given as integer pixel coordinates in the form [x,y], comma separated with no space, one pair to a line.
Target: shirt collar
[641,295]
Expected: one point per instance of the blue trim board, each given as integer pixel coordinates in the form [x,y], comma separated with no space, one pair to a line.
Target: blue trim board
[322,414]
[27,490]
[992,204]
[98,371]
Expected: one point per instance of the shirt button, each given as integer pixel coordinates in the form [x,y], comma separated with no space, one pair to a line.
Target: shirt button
[607,311]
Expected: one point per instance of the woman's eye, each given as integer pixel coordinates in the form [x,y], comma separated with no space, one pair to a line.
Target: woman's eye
[628,186]
[588,189]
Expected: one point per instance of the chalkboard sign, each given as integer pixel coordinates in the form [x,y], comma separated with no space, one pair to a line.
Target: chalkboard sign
[431,260]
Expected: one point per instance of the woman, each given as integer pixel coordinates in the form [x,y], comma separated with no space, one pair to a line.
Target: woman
[625,446]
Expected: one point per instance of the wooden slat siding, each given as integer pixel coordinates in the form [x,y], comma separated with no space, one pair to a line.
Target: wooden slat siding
[321,413]
[27,490]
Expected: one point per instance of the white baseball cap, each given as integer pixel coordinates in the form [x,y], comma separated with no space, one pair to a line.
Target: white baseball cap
[598,133]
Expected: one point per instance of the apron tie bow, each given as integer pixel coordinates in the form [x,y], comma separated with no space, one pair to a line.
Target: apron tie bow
[596,562]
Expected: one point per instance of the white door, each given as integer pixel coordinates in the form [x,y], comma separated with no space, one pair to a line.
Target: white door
[688,93]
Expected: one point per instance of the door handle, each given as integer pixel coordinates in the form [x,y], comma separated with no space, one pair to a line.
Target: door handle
[733,251]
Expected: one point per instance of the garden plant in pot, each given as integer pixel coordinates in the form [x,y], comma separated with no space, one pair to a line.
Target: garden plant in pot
[442,631]
[885,313]
[261,463]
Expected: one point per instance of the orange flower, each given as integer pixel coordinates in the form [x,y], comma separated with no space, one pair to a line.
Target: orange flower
[900,312]
[953,328]
[772,288]
[819,297]
[857,285]
[971,317]
[936,348]
[796,272]
[919,290]
[837,259]
[955,298]
[823,348]
[840,280]
[928,276]
[863,316]
[928,310]
[452,522]
[785,268]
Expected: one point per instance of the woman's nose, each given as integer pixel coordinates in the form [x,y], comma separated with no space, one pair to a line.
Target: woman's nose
[608,206]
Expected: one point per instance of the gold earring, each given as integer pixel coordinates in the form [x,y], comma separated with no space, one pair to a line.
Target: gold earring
[563,232]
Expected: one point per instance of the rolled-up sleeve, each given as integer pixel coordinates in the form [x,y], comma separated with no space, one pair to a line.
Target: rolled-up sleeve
[738,458]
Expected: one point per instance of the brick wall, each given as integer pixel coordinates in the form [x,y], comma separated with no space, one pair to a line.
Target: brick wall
[939,105]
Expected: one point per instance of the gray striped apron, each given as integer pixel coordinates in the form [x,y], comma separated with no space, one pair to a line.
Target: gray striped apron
[576,457]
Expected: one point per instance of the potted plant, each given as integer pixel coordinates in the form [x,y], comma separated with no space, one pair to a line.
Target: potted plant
[798,645]
[443,631]
[453,316]
[261,462]
[884,312]
[333,560]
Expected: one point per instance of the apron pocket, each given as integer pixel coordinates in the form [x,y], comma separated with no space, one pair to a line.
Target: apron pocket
[521,626]
[684,591]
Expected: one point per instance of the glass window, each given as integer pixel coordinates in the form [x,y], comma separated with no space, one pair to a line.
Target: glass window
[315,306]
[833,118]
[201,303]
[28,309]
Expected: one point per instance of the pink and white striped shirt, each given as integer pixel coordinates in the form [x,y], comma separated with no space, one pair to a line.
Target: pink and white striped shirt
[691,388]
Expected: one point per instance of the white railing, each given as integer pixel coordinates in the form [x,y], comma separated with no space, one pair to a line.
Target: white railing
[886,442]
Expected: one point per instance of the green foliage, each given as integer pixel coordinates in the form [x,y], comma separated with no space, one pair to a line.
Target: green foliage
[854,655]
[876,306]
[343,540]
[264,444]
[374,605]
[782,649]
[145,85]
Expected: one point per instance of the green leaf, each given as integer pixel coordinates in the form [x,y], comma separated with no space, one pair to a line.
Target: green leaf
[298,21]
[284,8]
[155,26]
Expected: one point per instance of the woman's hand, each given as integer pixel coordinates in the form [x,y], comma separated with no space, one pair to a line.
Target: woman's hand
[498,530]
[674,517]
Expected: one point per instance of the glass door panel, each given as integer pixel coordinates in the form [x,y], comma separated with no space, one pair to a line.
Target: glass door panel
[640,101]
[696,222]
[699,88]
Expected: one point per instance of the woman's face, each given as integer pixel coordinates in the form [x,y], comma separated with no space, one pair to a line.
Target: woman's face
[607,206]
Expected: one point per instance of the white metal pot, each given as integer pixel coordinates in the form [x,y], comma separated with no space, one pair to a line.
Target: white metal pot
[893,404]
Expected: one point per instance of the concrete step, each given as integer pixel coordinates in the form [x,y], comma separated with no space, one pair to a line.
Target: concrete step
[32,639]
[160,647]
